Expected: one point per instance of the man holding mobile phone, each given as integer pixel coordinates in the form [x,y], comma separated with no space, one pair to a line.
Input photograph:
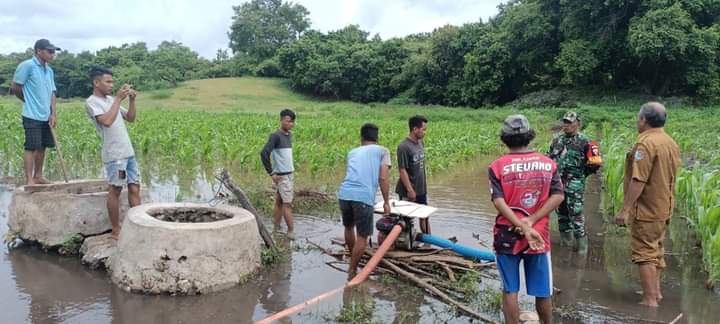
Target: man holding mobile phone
[118,154]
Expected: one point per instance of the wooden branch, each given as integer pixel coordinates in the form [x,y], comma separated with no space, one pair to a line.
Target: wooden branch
[484,265]
[395,254]
[443,284]
[444,297]
[444,258]
[411,268]
[380,269]
[324,250]
[450,273]
[332,265]
[677,318]
[225,179]
[456,267]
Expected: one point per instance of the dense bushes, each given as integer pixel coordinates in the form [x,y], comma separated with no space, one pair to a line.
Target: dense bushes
[164,67]
[655,47]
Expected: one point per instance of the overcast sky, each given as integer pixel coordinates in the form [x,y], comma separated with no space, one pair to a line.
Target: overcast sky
[78,25]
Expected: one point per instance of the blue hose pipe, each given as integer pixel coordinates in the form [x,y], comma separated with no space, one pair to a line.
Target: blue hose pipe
[468,252]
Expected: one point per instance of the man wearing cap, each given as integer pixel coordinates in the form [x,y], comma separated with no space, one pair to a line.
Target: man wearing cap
[569,150]
[525,187]
[34,85]
[649,190]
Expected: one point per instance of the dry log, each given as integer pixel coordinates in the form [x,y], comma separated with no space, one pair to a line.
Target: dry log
[450,273]
[411,268]
[326,251]
[445,259]
[397,254]
[332,265]
[484,265]
[452,266]
[225,179]
[412,265]
[444,297]
[677,318]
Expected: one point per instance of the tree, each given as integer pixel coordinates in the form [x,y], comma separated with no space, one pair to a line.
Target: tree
[8,64]
[436,75]
[71,74]
[173,62]
[343,64]
[668,43]
[260,27]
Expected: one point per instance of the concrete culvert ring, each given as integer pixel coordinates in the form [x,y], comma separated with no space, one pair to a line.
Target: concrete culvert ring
[185,249]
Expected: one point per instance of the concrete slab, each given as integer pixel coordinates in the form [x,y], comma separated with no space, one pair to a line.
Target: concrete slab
[52,214]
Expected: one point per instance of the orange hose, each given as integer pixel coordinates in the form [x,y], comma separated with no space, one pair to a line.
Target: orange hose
[379,254]
[359,278]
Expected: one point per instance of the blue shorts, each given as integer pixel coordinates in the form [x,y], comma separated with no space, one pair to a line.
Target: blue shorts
[538,273]
[122,172]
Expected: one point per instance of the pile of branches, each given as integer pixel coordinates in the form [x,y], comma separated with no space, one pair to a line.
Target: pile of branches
[436,271]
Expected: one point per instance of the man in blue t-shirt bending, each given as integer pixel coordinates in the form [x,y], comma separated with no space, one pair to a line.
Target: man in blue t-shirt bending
[367,167]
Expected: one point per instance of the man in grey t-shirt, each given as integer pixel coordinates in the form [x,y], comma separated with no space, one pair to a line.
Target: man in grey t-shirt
[412,185]
[280,169]
[117,151]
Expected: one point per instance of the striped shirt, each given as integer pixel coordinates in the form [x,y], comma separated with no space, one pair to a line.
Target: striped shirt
[279,147]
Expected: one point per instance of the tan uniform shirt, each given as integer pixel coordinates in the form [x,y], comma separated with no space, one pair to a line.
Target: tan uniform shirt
[654,160]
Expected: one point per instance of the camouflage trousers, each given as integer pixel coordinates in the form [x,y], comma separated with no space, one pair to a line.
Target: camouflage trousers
[570,212]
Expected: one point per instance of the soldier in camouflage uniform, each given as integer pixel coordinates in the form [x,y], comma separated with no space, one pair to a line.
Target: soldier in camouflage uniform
[569,150]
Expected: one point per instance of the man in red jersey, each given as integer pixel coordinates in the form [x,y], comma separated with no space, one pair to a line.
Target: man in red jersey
[525,187]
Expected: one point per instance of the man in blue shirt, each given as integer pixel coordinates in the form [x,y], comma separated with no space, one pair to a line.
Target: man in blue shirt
[34,85]
[367,167]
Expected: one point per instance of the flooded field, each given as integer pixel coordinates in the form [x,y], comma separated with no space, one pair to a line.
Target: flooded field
[39,287]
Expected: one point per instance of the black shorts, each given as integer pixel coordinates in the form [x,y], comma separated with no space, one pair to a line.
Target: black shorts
[37,134]
[360,215]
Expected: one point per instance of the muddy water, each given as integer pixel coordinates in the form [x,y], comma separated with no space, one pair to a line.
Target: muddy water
[37,287]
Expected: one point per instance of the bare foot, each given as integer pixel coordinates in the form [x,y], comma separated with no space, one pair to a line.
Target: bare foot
[115,234]
[640,292]
[41,180]
[649,304]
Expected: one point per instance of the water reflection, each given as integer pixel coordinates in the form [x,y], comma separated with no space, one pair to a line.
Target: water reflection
[44,288]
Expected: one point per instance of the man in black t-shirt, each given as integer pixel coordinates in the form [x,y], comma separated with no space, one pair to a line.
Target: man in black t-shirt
[412,185]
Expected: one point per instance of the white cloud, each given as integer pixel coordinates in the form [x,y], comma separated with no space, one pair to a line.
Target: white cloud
[78,25]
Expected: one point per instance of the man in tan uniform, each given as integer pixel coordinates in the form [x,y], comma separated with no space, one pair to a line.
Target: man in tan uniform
[650,169]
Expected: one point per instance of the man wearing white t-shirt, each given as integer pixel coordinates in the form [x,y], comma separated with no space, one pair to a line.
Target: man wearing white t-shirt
[117,152]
